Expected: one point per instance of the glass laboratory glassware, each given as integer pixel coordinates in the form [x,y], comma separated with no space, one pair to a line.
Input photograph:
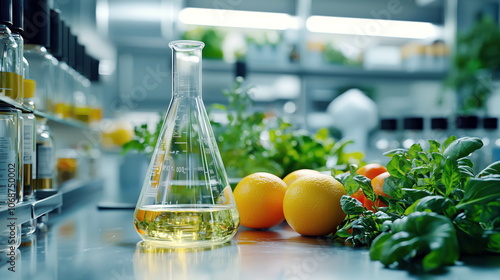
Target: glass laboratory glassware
[45,157]
[186,200]
[9,79]
[11,183]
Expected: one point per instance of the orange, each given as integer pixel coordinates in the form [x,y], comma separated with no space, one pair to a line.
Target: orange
[371,170]
[259,200]
[290,178]
[312,205]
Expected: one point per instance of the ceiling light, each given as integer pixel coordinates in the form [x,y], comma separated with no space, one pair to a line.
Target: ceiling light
[232,18]
[372,27]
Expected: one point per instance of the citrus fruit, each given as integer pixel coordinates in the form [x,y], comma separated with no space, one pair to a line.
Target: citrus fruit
[259,199]
[312,205]
[371,170]
[290,178]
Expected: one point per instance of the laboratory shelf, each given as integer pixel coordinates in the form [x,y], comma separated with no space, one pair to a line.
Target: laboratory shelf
[325,71]
[8,102]
[58,120]
[48,201]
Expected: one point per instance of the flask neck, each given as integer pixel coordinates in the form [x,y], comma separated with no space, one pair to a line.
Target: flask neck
[186,68]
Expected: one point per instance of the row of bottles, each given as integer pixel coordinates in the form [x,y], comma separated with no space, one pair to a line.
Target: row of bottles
[43,71]
[402,133]
[40,51]
[27,165]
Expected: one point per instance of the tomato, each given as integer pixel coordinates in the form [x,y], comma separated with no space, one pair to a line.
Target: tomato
[371,170]
[377,185]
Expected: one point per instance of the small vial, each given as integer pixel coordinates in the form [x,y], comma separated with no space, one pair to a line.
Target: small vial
[387,138]
[29,155]
[45,157]
[491,140]
[413,128]
[29,93]
[468,126]
[10,157]
[439,129]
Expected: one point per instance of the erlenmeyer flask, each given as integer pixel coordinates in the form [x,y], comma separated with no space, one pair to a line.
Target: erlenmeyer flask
[186,199]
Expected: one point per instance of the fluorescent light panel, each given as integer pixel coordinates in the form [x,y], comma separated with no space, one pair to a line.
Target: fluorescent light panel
[232,18]
[372,27]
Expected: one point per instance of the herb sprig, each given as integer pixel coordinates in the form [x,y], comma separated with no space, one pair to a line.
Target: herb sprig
[438,208]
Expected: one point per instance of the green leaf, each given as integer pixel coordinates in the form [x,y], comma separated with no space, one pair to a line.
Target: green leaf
[462,147]
[450,175]
[413,195]
[398,166]
[365,184]
[491,169]
[470,235]
[493,244]
[351,206]
[420,235]
[434,203]
[481,197]
[392,188]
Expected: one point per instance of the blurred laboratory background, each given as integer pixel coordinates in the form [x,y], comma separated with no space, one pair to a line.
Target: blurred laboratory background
[382,73]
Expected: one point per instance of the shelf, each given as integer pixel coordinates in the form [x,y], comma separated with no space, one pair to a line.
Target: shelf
[325,71]
[4,100]
[72,123]
[48,201]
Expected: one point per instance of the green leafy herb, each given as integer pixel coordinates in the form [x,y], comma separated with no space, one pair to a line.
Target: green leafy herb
[420,235]
[438,208]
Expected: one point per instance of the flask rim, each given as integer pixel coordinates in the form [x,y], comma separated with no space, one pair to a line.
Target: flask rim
[186,45]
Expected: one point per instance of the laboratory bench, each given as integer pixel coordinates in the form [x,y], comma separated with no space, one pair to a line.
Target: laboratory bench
[85,241]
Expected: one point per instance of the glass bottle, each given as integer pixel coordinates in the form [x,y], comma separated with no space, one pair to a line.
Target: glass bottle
[42,63]
[29,93]
[439,129]
[29,155]
[387,138]
[16,28]
[45,157]
[491,140]
[467,125]
[186,200]
[9,79]
[413,129]
[10,156]
[10,175]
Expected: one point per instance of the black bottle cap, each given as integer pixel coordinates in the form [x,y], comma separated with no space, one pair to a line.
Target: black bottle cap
[80,59]
[6,12]
[388,124]
[439,123]
[86,65]
[94,70]
[17,16]
[466,122]
[65,41]
[240,69]
[56,35]
[490,123]
[36,23]
[413,123]
[72,42]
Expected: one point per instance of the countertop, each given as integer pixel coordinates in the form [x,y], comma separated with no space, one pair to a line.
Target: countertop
[84,242]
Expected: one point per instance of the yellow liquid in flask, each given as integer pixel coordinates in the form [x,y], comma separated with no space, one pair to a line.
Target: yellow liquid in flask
[185,225]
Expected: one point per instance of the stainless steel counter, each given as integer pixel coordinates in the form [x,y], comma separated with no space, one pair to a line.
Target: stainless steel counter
[86,243]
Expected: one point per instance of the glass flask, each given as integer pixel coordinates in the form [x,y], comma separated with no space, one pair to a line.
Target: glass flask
[186,200]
